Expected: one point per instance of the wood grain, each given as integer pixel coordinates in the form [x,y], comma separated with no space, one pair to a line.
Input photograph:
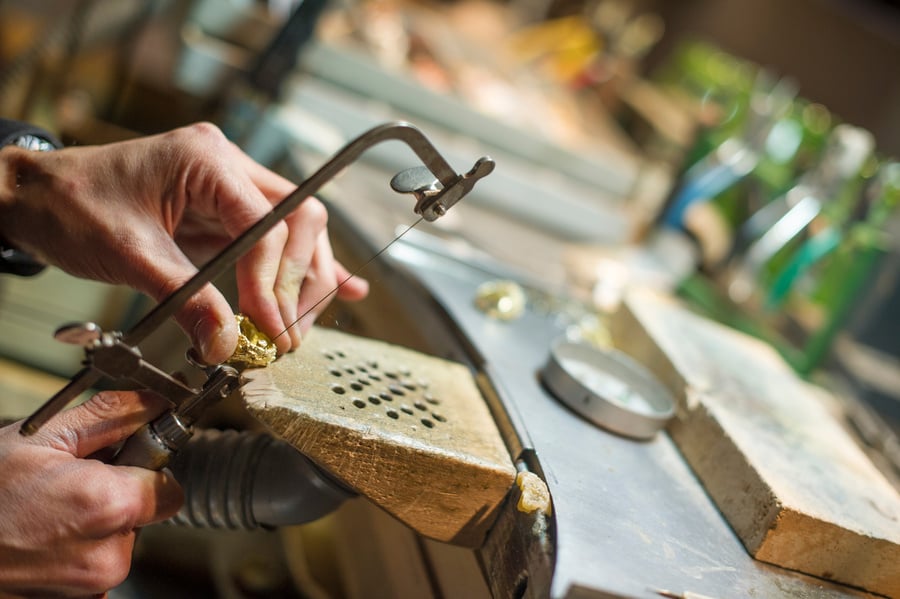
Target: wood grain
[408,431]
[794,486]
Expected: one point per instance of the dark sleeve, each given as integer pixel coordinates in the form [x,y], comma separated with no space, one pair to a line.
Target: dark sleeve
[10,131]
[30,137]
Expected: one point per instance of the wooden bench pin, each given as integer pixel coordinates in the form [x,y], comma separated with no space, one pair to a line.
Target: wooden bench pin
[410,432]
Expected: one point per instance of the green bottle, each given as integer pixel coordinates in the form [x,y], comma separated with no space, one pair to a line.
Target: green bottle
[818,287]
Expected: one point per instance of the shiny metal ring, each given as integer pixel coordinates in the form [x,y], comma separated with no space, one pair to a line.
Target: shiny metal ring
[609,389]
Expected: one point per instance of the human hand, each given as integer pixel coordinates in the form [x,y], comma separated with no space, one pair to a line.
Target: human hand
[68,522]
[144,212]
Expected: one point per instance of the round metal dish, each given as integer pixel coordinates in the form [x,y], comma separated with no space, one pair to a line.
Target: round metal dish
[609,389]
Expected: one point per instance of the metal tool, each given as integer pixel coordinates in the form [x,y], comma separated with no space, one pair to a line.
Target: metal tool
[115,355]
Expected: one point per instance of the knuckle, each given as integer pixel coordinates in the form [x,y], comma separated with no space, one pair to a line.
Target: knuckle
[277,236]
[315,212]
[103,566]
[203,130]
[281,232]
[100,408]
[203,136]
[165,287]
[109,508]
[286,293]
[104,403]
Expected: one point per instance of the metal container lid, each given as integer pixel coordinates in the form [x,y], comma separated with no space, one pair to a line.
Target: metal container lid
[608,388]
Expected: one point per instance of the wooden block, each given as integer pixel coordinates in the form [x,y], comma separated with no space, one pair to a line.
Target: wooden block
[408,431]
[793,485]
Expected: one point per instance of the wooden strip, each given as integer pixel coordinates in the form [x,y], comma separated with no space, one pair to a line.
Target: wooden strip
[795,487]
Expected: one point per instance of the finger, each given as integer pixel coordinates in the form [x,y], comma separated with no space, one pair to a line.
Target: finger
[319,286]
[105,419]
[161,269]
[208,320]
[256,275]
[257,271]
[307,226]
[152,496]
[120,499]
[271,184]
[354,287]
[303,226]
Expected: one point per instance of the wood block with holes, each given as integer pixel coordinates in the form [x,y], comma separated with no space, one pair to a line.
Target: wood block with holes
[792,483]
[410,432]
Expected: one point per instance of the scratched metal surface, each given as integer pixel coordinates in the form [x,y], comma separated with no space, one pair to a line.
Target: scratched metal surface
[631,518]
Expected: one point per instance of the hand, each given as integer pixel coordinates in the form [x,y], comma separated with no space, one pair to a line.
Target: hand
[144,212]
[68,522]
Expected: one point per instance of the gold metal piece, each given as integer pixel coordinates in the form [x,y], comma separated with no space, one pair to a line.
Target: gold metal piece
[535,494]
[503,300]
[254,348]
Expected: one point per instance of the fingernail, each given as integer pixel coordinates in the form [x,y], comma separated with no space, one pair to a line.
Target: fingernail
[207,337]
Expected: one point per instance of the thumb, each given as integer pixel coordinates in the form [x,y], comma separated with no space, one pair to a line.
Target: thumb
[210,324]
[206,317]
[354,288]
[103,420]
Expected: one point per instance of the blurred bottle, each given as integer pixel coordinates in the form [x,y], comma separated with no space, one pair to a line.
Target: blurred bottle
[737,155]
[821,282]
[767,239]
[793,145]
[717,85]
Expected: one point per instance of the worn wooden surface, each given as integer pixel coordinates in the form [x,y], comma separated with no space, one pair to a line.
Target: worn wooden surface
[24,389]
[794,486]
[410,432]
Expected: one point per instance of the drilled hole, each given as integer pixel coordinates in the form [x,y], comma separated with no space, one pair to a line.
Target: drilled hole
[356,386]
[396,390]
[335,372]
[340,354]
[438,417]
[359,403]
[338,389]
[406,410]
[409,385]
[374,377]
[393,414]
[328,355]
[362,368]
[419,405]
[373,364]
[364,382]
[391,375]
[349,371]
[427,423]
[431,399]
[386,396]
[374,400]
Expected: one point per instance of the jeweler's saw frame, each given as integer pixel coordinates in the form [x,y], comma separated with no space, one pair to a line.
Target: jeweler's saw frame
[115,355]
